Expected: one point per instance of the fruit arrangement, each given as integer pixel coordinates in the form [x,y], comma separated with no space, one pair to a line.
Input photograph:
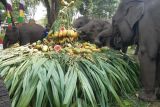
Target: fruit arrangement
[75,48]
[63,36]
[81,48]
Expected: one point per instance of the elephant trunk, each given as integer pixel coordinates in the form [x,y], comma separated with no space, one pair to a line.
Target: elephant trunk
[97,42]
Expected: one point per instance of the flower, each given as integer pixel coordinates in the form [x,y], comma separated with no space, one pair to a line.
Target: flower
[57,48]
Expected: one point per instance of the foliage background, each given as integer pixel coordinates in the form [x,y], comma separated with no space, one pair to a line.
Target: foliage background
[103,9]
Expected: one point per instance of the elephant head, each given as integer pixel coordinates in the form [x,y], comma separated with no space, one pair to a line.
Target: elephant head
[90,31]
[11,36]
[81,21]
[103,38]
[125,23]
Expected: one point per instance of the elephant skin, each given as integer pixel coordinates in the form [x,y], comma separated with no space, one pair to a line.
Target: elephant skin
[90,31]
[81,21]
[140,19]
[103,38]
[25,33]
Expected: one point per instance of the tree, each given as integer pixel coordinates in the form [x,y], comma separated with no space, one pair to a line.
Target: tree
[98,8]
[52,7]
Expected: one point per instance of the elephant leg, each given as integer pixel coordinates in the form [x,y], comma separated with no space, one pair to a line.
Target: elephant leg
[5,42]
[158,77]
[136,51]
[147,76]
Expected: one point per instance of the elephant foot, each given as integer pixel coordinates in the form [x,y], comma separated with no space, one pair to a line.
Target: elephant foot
[158,93]
[149,96]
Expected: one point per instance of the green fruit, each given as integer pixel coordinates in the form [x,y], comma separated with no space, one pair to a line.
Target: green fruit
[39,42]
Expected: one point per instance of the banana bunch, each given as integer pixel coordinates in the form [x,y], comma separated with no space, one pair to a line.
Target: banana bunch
[64,36]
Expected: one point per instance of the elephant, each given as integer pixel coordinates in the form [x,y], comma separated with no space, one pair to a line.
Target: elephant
[25,33]
[81,21]
[103,38]
[138,20]
[91,30]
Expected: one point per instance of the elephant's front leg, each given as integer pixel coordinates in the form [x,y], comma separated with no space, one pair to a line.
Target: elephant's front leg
[5,42]
[147,76]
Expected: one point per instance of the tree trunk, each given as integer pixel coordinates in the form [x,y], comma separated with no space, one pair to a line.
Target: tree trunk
[52,10]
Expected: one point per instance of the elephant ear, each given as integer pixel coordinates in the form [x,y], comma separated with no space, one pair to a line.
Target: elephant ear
[134,12]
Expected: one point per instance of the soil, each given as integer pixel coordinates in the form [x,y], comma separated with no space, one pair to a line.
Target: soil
[155,104]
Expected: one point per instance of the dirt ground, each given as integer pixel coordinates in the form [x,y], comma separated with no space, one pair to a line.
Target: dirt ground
[155,104]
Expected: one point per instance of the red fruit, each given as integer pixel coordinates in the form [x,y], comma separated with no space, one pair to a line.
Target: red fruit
[57,48]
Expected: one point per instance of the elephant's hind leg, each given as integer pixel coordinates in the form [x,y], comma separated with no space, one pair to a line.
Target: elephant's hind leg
[4,97]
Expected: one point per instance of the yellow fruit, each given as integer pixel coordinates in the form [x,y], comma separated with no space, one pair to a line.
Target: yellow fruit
[60,34]
[87,47]
[38,46]
[64,33]
[86,50]
[72,33]
[96,50]
[76,50]
[69,33]
[44,48]
[69,45]
[52,35]
[75,34]
[55,34]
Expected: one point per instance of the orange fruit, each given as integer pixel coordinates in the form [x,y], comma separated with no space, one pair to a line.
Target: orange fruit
[75,35]
[64,33]
[60,34]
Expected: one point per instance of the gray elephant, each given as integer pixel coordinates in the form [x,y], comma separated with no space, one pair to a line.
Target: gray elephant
[139,19]
[103,38]
[25,33]
[81,21]
[91,30]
